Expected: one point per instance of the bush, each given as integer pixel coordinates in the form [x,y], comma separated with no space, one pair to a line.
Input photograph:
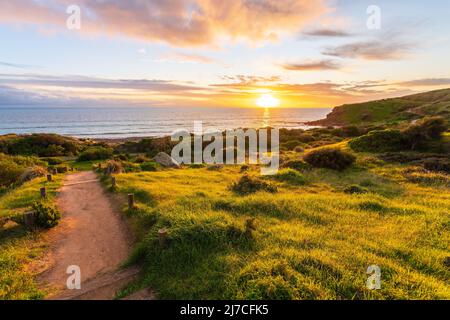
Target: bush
[437,165]
[43,145]
[96,153]
[114,167]
[330,158]
[53,161]
[149,166]
[355,190]
[121,157]
[419,134]
[298,165]
[291,144]
[351,131]
[48,215]
[32,173]
[290,176]
[305,138]
[141,159]
[379,141]
[13,167]
[10,172]
[248,185]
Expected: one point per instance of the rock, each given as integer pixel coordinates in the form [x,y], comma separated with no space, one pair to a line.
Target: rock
[165,160]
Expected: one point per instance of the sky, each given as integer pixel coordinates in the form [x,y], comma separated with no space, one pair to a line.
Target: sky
[216,53]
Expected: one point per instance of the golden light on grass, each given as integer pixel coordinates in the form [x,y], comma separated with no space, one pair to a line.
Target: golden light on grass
[267,100]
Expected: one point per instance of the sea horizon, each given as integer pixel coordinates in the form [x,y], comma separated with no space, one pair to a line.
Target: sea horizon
[132,122]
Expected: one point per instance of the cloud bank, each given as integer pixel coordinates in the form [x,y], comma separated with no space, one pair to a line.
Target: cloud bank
[178,22]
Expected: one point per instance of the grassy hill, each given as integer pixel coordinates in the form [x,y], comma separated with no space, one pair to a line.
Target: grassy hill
[388,111]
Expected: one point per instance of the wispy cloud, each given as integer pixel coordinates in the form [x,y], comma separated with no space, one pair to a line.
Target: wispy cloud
[329,33]
[94,83]
[318,65]
[16,65]
[371,50]
[426,82]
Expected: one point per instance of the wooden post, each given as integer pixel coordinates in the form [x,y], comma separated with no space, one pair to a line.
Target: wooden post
[131,201]
[43,192]
[49,178]
[29,219]
[162,236]
[113,182]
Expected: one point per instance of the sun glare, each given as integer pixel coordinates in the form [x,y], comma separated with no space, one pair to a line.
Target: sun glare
[267,101]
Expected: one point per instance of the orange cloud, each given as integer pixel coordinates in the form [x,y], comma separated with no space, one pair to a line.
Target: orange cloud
[178,22]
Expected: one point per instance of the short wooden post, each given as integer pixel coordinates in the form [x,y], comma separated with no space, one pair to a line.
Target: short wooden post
[113,182]
[49,178]
[131,201]
[29,219]
[162,236]
[43,192]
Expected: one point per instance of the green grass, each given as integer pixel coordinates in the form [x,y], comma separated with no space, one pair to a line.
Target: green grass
[310,240]
[18,247]
[20,199]
[82,165]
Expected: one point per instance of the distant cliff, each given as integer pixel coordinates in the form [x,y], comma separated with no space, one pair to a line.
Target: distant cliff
[433,103]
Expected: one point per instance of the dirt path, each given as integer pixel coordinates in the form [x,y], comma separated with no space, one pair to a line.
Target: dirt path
[92,235]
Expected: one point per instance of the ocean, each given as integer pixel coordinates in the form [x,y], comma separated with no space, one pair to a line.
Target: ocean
[129,122]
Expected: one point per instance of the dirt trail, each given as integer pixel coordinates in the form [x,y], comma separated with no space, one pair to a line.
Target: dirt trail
[92,235]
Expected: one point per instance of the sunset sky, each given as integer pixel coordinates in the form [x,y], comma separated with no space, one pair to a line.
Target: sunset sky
[220,53]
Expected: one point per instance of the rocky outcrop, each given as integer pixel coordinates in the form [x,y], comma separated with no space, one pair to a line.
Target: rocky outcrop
[165,160]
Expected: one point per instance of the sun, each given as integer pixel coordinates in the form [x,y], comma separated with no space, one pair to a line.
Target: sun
[267,101]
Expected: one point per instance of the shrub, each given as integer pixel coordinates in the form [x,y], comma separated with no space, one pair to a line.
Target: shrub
[290,176]
[379,141]
[437,165]
[431,128]
[141,159]
[298,165]
[351,131]
[32,173]
[43,145]
[114,167]
[305,138]
[48,215]
[291,144]
[149,166]
[13,167]
[330,158]
[354,189]
[10,172]
[95,153]
[121,157]
[53,161]
[428,179]
[248,185]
